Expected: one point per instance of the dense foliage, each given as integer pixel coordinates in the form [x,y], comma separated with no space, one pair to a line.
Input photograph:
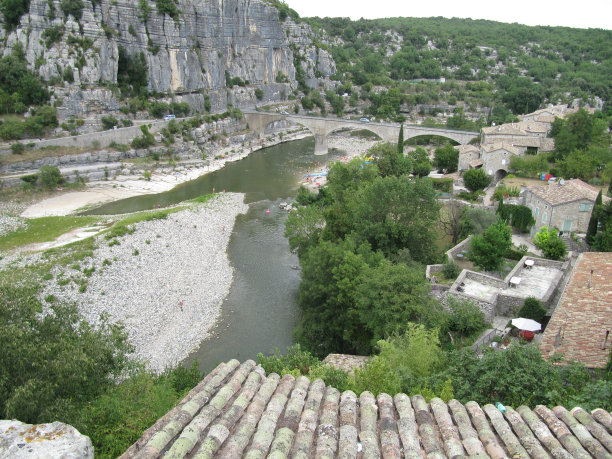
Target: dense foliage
[42,119]
[549,242]
[19,87]
[517,215]
[489,249]
[476,179]
[53,362]
[532,309]
[482,62]
[132,73]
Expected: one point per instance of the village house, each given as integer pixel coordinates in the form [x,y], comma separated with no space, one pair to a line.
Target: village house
[467,155]
[525,136]
[566,205]
[496,158]
[581,325]
[499,143]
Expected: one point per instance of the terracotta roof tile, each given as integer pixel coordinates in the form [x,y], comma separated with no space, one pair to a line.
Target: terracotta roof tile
[579,324]
[239,412]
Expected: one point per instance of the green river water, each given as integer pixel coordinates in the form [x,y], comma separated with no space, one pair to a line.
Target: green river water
[260,312]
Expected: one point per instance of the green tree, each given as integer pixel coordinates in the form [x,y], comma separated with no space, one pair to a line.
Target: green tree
[394,213]
[303,228]
[388,297]
[577,132]
[532,309]
[405,361]
[400,141]
[549,242]
[50,177]
[517,376]
[488,251]
[476,179]
[421,164]
[73,7]
[466,318]
[389,160]
[475,221]
[343,181]
[603,238]
[593,221]
[52,363]
[325,295]
[446,159]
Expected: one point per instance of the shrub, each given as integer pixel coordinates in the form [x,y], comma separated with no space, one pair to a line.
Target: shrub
[18,148]
[73,7]
[466,317]
[50,177]
[259,93]
[488,250]
[451,270]
[517,215]
[549,242]
[532,309]
[476,179]
[145,141]
[108,122]
[68,74]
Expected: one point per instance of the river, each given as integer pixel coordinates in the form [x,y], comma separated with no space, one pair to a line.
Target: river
[260,312]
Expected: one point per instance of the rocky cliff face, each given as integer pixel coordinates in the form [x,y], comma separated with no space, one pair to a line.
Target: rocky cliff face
[188,56]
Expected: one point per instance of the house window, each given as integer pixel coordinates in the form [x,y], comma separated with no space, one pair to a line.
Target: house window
[585,207]
[537,212]
[544,217]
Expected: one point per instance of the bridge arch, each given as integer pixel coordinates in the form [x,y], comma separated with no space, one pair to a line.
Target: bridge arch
[322,127]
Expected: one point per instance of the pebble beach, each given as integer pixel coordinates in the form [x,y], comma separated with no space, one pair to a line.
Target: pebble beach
[165,282]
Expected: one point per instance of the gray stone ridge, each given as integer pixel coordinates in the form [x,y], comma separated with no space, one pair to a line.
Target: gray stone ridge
[239,412]
[54,440]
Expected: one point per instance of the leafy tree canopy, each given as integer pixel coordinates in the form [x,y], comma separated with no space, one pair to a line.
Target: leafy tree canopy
[488,251]
[446,159]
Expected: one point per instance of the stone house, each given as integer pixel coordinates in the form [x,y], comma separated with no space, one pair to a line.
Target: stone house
[523,136]
[467,154]
[496,158]
[566,205]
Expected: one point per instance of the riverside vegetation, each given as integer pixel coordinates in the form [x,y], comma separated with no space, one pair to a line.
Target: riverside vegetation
[57,366]
[363,241]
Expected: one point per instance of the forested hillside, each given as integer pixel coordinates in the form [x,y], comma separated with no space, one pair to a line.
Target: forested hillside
[505,67]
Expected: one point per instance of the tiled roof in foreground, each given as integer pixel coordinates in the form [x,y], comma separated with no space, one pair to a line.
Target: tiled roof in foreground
[238,412]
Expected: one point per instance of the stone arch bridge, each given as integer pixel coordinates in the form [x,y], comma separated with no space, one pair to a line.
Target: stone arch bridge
[322,127]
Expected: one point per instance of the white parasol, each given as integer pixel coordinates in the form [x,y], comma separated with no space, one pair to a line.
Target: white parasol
[526,324]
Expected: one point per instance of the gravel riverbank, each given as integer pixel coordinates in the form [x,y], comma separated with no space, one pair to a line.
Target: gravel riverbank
[165,282]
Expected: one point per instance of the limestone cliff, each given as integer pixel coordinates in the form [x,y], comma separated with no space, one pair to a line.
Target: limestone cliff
[188,55]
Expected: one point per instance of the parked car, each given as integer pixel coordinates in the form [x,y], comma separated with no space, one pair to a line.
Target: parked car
[364,120]
[169,117]
[284,112]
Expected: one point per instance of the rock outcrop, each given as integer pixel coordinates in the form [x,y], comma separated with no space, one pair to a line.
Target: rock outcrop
[191,55]
[55,440]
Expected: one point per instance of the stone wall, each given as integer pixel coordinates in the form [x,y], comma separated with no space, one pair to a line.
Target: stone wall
[463,245]
[432,269]
[508,304]
[488,309]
